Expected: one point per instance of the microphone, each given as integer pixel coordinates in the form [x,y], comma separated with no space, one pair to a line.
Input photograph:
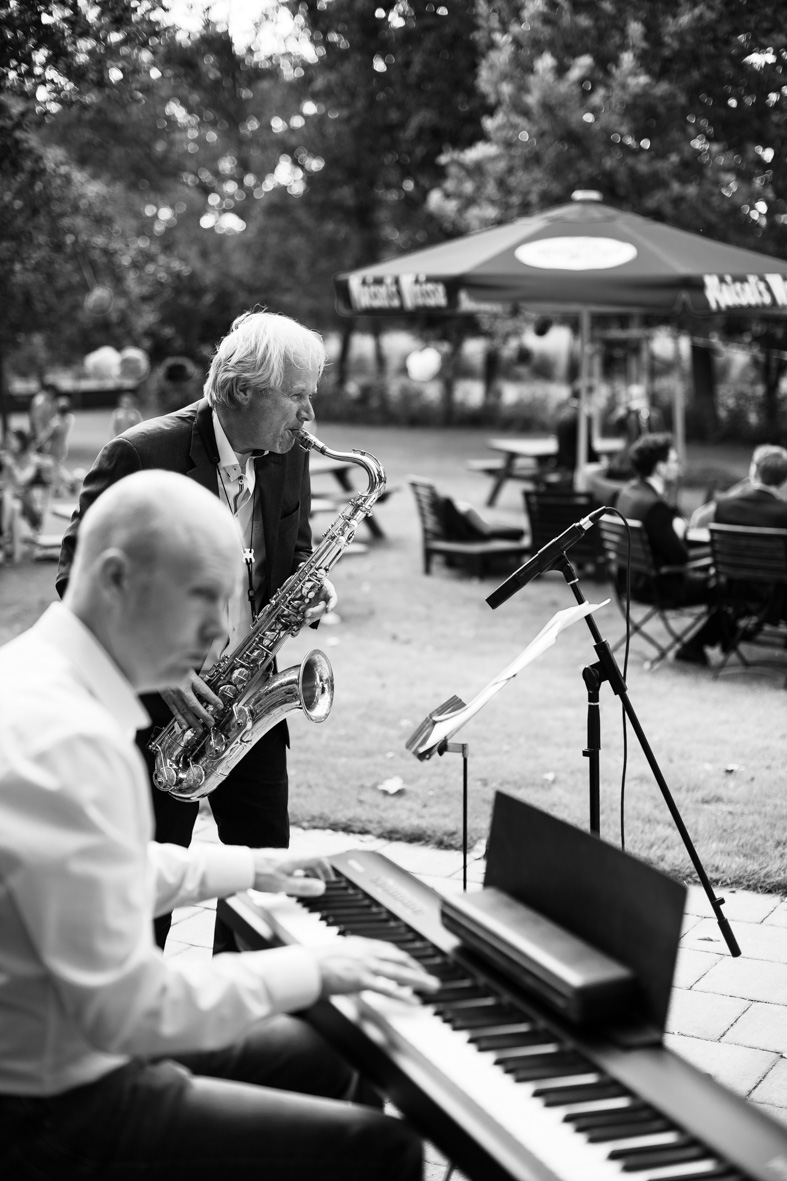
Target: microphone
[545,558]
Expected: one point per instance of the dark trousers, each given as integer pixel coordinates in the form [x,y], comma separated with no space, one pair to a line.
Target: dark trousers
[250,808]
[229,1113]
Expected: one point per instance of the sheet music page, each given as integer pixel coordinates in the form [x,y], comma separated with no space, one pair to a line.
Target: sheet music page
[445,726]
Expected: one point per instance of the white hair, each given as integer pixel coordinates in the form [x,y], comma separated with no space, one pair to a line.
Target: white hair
[254,353]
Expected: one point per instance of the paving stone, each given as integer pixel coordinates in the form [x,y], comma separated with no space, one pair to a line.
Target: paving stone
[743,905]
[777,1113]
[476,872]
[691,966]
[755,980]
[326,841]
[198,929]
[192,954]
[423,859]
[689,922]
[183,912]
[702,1015]
[759,941]
[778,917]
[175,947]
[763,1026]
[736,1067]
[773,1087]
[449,886]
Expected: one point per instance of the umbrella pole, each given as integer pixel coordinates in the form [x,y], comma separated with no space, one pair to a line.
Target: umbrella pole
[584,382]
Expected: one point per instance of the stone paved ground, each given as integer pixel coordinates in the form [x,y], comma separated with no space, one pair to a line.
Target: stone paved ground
[728,1016]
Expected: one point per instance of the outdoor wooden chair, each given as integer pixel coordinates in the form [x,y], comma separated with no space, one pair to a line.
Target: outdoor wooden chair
[649,607]
[751,586]
[550,512]
[438,538]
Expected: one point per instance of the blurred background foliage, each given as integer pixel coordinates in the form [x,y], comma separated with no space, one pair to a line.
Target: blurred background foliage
[158,176]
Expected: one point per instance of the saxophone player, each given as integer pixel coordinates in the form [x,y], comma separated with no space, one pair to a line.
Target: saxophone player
[115,1062]
[238,441]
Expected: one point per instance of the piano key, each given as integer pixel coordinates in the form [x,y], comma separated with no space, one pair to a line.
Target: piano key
[464,1017]
[592,1121]
[636,1160]
[529,1055]
[565,1094]
[508,1037]
[712,1173]
[584,1120]
[645,1127]
[458,990]
[546,1070]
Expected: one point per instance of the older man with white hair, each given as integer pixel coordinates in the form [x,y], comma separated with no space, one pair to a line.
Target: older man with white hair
[239,443]
[115,1062]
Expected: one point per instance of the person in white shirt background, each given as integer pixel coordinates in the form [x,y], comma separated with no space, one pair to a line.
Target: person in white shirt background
[114,1062]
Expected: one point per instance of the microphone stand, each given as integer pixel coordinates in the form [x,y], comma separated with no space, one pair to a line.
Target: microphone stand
[606,668]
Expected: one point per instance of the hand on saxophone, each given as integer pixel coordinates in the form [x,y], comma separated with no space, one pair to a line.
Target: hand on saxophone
[324,601]
[186,702]
[279,872]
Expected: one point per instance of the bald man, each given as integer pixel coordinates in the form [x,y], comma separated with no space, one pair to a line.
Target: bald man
[113,1061]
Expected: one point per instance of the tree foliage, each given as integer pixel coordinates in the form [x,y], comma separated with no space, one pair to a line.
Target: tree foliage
[674,109]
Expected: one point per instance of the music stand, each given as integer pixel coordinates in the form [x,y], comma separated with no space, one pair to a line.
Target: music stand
[606,668]
[433,734]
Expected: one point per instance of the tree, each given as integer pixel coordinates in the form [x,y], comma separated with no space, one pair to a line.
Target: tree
[59,226]
[388,89]
[674,109]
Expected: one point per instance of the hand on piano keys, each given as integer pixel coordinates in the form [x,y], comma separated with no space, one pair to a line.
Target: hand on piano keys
[354,964]
[278,872]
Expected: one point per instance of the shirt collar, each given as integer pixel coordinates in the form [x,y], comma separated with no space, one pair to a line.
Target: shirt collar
[756,486]
[60,627]
[232,462]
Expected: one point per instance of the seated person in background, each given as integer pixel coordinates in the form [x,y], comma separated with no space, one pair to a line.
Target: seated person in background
[756,501]
[115,1062]
[12,527]
[28,475]
[54,442]
[567,432]
[126,414]
[657,465]
[42,409]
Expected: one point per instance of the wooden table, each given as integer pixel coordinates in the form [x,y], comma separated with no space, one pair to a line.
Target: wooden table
[537,452]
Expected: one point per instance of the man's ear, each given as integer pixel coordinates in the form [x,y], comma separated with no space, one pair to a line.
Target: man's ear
[114,572]
[241,395]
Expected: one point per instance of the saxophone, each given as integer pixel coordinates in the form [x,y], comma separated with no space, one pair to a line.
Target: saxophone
[191,763]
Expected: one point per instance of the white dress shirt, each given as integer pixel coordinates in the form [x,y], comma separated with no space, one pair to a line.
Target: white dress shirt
[83,986]
[236,485]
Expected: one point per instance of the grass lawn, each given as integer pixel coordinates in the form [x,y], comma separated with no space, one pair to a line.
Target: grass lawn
[403,643]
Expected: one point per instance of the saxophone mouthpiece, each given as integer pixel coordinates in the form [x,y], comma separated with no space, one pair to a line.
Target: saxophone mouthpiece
[307,441]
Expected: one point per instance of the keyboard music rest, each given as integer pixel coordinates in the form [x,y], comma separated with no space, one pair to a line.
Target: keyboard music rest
[487,1123]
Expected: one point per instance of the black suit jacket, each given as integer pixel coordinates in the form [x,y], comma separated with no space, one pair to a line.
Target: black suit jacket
[184,442]
[755,507]
[639,501]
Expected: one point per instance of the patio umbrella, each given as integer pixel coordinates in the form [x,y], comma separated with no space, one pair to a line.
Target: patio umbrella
[581,257]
